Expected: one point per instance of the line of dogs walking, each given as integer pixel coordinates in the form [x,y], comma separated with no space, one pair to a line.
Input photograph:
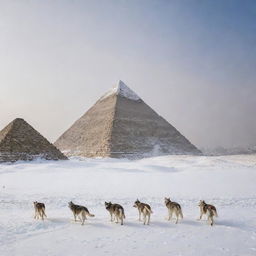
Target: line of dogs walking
[117,214]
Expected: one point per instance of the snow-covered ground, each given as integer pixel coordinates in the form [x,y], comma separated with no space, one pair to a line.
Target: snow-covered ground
[227,182]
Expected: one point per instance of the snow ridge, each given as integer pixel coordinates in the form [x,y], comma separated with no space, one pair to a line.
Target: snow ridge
[122,90]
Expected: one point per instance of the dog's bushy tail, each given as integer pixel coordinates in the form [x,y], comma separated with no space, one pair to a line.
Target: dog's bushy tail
[148,209]
[91,215]
[122,212]
[181,214]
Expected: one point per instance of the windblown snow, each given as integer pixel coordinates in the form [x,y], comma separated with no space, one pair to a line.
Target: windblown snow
[123,90]
[228,182]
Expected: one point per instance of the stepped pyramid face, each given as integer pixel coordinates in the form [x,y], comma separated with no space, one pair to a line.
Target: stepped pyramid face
[20,141]
[121,124]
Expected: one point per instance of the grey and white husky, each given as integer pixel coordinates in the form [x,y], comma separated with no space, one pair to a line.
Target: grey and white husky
[173,207]
[208,210]
[115,211]
[79,211]
[39,210]
[143,209]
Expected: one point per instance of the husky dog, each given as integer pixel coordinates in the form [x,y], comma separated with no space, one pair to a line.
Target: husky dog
[117,210]
[144,209]
[39,210]
[207,209]
[173,208]
[80,211]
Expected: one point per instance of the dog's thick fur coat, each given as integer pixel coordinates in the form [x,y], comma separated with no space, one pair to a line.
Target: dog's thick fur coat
[39,210]
[143,209]
[209,210]
[173,207]
[115,210]
[79,211]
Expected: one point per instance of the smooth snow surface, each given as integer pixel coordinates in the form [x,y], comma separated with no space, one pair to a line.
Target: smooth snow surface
[227,182]
[123,90]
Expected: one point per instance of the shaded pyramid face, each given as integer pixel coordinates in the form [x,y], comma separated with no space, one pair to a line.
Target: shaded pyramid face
[20,141]
[121,124]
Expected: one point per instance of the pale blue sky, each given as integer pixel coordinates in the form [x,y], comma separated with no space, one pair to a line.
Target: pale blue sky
[194,62]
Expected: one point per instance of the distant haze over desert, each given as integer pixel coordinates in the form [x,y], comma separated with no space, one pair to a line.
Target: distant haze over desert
[191,61]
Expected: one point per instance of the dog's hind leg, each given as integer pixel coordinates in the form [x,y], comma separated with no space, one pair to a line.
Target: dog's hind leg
[116,217]
[83,217]
[177,217]
[44,214]
[144,218]
[209,220]
[148,219]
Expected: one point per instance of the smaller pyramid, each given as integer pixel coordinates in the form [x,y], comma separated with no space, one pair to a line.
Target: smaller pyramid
[20,141]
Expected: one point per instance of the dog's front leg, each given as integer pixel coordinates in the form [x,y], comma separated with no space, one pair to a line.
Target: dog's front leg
[80,218]
[170,215]
[200,217]
[177,218]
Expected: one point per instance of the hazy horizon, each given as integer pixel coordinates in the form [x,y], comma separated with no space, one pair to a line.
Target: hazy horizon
[193,62]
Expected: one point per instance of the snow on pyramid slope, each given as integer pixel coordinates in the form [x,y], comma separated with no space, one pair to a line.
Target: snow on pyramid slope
[121,124]
[20,141]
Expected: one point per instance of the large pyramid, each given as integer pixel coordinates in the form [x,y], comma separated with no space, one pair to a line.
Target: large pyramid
[121,124]
[20,141]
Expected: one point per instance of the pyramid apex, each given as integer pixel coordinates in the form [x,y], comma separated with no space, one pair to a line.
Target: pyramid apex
[121,84]
[18,119]
[122,90]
